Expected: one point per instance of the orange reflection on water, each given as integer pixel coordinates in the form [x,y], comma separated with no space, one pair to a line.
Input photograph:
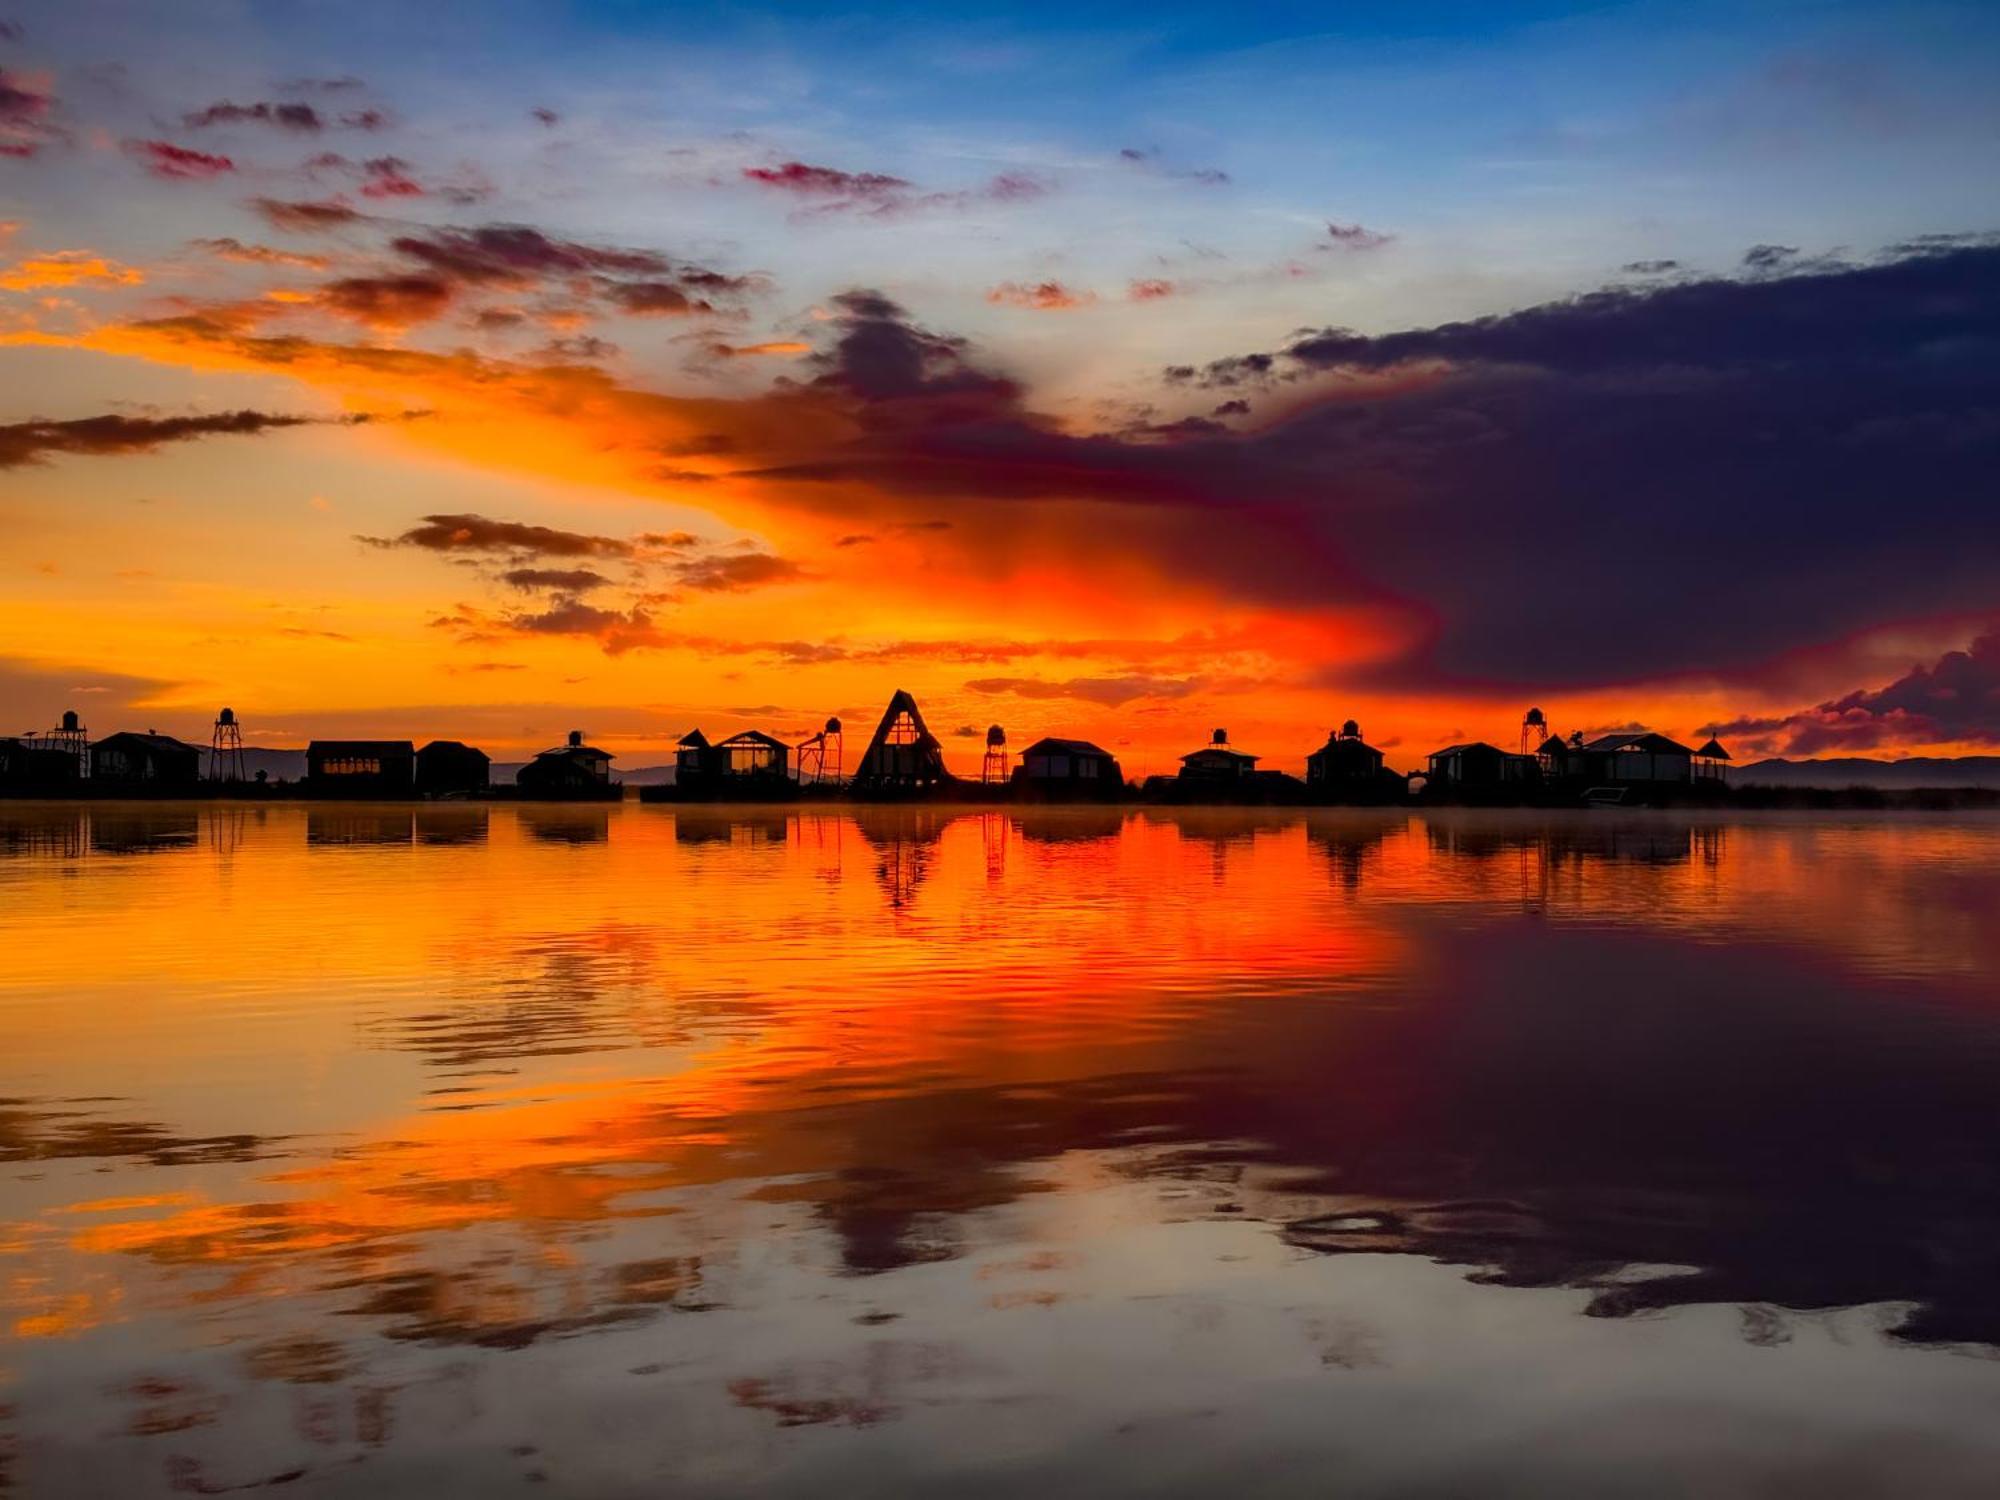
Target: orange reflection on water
[300,1082]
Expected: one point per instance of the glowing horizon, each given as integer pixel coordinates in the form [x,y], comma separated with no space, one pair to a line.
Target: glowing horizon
[738,374]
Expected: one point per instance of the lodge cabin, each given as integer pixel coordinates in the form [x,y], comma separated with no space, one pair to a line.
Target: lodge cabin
[752,756]
[450,768]
[154,761]
[1215,761]
[694,761]
[25,767]
[572,769]
[1345,760]
[1478,766]
[1059,770]
[1641,759]
[904,757]
[361,768]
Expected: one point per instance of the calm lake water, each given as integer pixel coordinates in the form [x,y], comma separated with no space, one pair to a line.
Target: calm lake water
[648,1152]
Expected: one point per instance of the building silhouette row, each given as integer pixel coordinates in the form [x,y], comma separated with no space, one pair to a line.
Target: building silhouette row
[902,759]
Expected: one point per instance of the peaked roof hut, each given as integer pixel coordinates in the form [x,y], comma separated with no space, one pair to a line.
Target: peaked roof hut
[904,755]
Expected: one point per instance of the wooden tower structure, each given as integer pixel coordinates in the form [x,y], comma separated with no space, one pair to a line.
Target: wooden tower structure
[995,770]
[225,748]
[819,757]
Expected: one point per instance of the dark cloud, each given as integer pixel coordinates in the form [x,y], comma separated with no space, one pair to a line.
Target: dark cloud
[389,177]
[517,255]
[307,216]
[826,182]
[655,299]
[643,283]
[616,631]
[180,163]
[285,116]
[1955,700]
[880,356]
[1356,236]
[566,580]
[1768,257]
[229,248]
[26,111]
[829,190]
[1650,267]
[386,301]
[473,533]
[731,572]
[1641,481]
[545,116]
[33,441]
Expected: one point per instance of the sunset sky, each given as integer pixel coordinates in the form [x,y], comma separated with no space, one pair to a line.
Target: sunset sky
[1116,371]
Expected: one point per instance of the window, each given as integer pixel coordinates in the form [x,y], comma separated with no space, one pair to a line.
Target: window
[351,765]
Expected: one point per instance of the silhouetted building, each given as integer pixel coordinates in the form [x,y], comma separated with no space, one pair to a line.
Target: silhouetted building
[25,767]
[1057,770]
[1711,761]
[361,768]
[1480,766]
[904,756]
[448,768]
[571,769]
[694,761]
[1345,761]
[1215,761]
[1641,758]
[155,761]
[753,756]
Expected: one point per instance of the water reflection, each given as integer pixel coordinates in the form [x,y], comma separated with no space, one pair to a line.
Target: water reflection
[657,1095]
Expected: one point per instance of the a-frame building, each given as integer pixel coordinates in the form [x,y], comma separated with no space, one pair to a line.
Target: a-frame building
[904,756]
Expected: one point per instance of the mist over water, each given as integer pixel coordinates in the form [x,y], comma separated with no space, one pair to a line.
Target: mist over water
[639,1150]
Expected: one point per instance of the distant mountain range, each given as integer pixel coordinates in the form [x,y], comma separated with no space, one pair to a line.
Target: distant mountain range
[1908,774]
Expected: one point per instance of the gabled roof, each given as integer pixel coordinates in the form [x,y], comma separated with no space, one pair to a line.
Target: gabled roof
[879,766]
[1658,744]
[755,737]
[1713,750]
[1210,752]
[574,752]
[360,747]
[149,739]
[1343,744]
[694,739]
[1469,745]
[1055,746]
[453,746]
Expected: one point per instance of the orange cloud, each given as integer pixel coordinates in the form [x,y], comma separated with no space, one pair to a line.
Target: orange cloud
[68,268]
[1042,296]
